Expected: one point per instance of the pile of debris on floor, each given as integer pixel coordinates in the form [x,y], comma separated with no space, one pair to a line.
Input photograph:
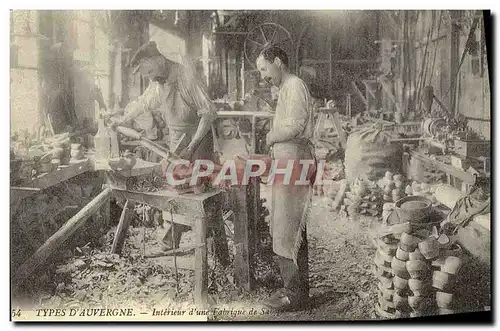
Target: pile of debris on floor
[90,276]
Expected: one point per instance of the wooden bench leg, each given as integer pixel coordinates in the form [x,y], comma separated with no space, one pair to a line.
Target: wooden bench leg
[121,230]
[201,263]
[242,258]
[217,223]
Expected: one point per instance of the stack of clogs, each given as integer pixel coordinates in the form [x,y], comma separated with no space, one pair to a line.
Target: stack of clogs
[386,250]
[446,269]
[424,266]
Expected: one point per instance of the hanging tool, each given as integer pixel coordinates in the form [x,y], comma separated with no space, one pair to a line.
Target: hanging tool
[428,97]
[155,147]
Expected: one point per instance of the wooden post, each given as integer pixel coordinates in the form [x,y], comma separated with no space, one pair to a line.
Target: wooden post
[253,206]
[338,127]
[330,59]
[359,94]
[454,57]
[29,267]
[253,137]
[217,223]
[201,263]
[121,231]
[241,238]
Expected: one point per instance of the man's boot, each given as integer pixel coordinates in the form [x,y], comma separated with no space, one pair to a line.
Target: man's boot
[295,293]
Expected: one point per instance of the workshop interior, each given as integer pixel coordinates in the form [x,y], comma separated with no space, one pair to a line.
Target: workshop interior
[399,224]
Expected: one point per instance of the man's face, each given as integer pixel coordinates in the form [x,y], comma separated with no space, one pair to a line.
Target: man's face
[153,67]
[270,72]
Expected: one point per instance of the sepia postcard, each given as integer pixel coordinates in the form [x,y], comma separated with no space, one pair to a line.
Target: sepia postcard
[250,165]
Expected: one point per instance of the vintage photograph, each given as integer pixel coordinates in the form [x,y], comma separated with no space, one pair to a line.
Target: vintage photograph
[250,165]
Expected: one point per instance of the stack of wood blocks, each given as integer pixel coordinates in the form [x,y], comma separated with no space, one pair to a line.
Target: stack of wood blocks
[417,269]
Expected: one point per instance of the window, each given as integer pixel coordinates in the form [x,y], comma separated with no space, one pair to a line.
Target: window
[170,45]
[24,75]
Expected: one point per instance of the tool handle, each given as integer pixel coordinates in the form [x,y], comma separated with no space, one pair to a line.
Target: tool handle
[164,153]
[131,133]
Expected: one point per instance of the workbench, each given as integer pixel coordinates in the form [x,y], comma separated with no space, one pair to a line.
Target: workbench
[476,236]
[201,211]
[45,181]
[439,163]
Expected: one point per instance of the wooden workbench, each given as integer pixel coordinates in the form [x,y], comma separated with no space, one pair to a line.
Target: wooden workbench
[440,165]
[201,210]
[46,180]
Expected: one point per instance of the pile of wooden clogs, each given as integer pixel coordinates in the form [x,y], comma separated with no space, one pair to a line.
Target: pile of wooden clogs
[417,268]
[364,198]
[394,187]
[386,251]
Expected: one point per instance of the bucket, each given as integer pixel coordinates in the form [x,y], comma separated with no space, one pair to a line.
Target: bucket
[414,209]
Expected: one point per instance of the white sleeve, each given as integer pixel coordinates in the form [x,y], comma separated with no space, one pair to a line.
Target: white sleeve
[148,101]
[296,114]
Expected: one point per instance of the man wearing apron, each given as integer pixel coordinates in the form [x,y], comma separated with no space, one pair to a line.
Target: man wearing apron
[290,139]
[186,109]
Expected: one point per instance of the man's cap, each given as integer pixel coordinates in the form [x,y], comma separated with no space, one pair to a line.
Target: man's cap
[145,51]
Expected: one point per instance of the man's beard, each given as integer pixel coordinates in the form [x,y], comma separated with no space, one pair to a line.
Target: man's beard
[159,79]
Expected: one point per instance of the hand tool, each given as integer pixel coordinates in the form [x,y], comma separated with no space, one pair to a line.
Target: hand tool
[155,147]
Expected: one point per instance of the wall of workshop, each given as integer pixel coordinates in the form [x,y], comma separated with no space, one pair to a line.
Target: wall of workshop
[474,95]
[88,62]
[92,63]
[353,35]
[430,41]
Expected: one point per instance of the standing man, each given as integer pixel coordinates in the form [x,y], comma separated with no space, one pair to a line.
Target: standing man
[290,139]
[186,109]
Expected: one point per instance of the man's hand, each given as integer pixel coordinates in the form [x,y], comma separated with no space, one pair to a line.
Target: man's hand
[187,153]
[270,140]
[113,122]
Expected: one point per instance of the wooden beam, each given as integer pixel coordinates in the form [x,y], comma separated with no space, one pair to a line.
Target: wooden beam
[395,20]
[454,59]
[388,92]
[241,238]
[201,263]
[359,94]
[368,88]
[314,61]
[426,41]
[121,231]
[231,32]
[29,267]
[330,58]
[171,252]
[218,230]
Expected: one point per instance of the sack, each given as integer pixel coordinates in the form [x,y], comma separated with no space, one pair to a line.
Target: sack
[369,154]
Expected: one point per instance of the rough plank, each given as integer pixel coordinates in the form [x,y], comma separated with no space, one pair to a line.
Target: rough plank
[217,223]
[241,238]
[46,250]
[121,231]
[201,263]
[184,204]
[63,173]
